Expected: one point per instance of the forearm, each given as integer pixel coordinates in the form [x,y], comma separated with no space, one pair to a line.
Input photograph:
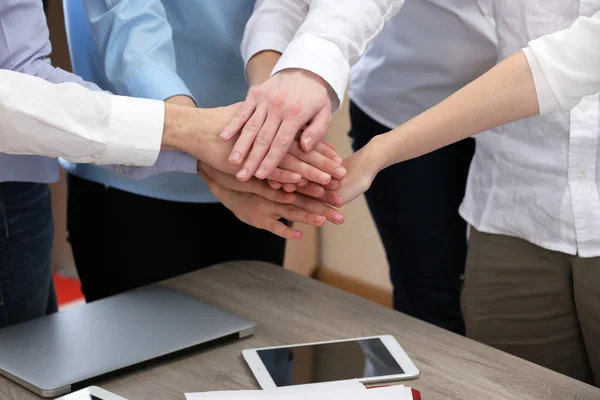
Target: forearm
[260,66]
[504,94]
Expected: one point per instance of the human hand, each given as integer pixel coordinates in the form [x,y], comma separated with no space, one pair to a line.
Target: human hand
[261,188]
[195,131]
[362,169]
[258,211]
[273,115]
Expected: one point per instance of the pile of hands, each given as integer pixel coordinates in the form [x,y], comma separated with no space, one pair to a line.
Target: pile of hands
[266,160]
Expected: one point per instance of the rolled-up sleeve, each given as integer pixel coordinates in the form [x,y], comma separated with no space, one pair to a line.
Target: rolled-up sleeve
[331,37]
[566,65]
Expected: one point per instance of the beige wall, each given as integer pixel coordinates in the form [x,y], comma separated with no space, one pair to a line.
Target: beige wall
[354,249]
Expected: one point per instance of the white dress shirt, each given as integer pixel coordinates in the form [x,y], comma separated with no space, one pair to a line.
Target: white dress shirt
[325,37]
[70,121]
[537,179]
[414,63]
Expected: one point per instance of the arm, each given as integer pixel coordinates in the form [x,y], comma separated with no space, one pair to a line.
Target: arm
[69,121]
[329,38]
[135,43]
[552,74]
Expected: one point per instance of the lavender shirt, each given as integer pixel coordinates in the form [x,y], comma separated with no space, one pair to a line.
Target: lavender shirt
[25,47]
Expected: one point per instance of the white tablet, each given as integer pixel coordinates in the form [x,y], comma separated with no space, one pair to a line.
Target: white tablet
[91,393]
[370,360]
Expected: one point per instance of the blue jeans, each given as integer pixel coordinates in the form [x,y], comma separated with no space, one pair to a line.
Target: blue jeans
[415,207]
[26,235]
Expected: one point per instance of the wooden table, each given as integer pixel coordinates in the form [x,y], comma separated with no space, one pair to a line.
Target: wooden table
[292,309]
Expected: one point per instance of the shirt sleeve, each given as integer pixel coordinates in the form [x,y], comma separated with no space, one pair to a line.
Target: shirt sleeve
[135,43]
[566,65]
[68,120]
[325,37]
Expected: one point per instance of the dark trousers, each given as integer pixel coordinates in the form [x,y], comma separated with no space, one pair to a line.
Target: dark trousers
[26,236]
[122,240]
[415,207]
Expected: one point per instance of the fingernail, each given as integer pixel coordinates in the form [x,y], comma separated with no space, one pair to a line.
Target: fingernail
[319,218]
[289,196]
[338,200]
[261,173]
[338,160]
[340,171]
[235,156]
[243,173]
[334,182]
[308,144]
[297,234]
[337,217]
[224,135]
[324,178]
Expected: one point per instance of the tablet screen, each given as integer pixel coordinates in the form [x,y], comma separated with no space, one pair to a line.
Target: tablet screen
[328,362]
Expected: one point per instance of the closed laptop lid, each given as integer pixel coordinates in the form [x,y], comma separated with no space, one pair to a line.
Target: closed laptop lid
[51,354]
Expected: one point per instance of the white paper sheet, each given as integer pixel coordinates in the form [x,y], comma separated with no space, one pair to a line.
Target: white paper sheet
[349,390]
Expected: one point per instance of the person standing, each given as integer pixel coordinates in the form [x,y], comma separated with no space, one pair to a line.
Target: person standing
[532,279]
[410,67]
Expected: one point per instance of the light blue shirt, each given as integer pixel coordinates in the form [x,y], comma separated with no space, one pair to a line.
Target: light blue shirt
[25,48]
[158,49]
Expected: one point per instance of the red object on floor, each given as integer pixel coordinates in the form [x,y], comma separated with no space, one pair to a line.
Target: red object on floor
[68,290]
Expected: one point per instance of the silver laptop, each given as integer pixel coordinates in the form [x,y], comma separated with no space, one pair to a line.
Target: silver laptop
[74,348]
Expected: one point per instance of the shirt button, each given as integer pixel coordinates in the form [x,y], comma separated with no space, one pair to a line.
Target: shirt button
[119,170]
[581,174]
[583,106]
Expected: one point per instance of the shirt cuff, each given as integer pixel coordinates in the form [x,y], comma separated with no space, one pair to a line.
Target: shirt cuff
[155,82]
[263,42]
[168,161]
[135,131]
[546,99]
[321,57]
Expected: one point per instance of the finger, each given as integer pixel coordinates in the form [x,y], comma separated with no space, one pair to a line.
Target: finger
[335,184]
[254,185]
[274,184]
[316,129]
[328,152]
[328,144]
[289,187]
[262,189]
[249,132]
[307,171]
[241,117]
[319,208]
[280,229]
[312,190]
[319,161]
[284,176]
[260,148]
[297,214]
[326,196]
[280,145]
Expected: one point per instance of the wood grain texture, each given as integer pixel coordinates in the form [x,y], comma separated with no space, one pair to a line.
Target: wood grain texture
[290,308]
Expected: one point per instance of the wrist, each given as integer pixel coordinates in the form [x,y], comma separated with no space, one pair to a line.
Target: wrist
[183,127]
[375,154]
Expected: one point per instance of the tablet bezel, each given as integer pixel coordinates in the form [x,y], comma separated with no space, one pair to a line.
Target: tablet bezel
[261,373]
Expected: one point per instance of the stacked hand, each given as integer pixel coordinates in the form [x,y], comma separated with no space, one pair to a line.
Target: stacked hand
[313,175]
